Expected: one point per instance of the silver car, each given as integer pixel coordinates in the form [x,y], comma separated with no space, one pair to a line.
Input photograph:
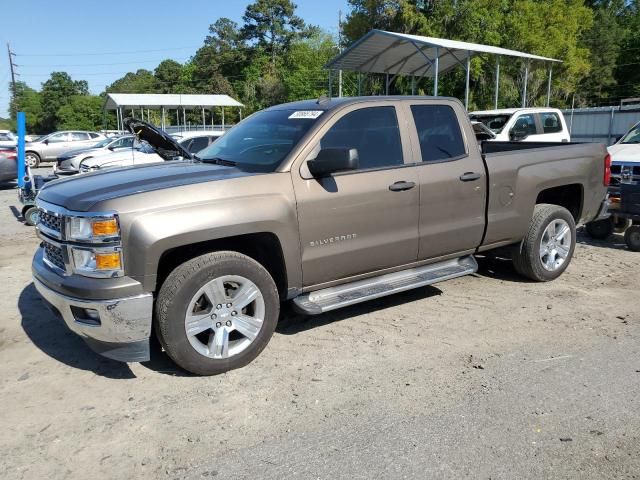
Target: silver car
[47,148]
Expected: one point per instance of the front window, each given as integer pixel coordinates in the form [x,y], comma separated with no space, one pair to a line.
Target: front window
[262,141]
[633,136]
[495,123]
[103,143]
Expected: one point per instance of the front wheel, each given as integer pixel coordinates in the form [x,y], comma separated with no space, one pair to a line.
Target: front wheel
[217,312]
[548,247]
[32,159]
[30,216]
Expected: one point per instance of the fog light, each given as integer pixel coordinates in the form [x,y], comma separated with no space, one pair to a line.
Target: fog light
[90,316]
[108,261]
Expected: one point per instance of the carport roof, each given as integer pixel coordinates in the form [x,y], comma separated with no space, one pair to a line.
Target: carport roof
[155,100]
[380,51]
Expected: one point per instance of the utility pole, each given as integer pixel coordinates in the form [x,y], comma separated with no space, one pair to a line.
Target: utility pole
[13,71]
[339,51]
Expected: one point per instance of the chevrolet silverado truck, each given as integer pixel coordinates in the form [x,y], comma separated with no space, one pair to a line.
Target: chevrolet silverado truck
[323,203]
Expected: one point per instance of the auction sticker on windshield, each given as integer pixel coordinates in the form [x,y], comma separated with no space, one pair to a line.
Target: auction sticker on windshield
[306,114]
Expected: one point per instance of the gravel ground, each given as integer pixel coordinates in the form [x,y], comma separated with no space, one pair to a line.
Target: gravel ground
[486,376]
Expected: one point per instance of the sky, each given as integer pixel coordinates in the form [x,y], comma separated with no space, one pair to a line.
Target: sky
[101,41]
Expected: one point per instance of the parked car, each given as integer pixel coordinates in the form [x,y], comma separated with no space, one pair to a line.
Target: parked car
[141,154]
[525,124]
[325,203]
[625,170]
[47,148]
[193,142]
[69,162]
[8,164]
[8,139]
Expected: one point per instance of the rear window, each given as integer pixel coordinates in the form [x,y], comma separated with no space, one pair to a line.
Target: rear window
[550,122]
[439,132]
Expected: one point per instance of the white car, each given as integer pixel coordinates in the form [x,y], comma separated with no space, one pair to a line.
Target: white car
[625,158]
[195,141]
[69,162]
[139,155]
[8,139]
[524,124]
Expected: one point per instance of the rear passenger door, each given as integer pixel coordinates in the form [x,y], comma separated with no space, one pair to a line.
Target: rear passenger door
[553,129]
[365,220]
[452,180]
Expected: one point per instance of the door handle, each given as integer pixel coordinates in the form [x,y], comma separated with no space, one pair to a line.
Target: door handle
[470,176]
[401,186]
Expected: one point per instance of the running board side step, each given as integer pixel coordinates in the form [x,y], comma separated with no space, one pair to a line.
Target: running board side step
[325,300]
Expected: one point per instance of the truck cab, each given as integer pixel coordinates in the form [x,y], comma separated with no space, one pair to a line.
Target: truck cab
[524,124]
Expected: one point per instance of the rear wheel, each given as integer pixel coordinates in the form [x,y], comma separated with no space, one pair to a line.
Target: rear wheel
[632,238]
[217,312]
[547,249]
[32,159]
[600,229]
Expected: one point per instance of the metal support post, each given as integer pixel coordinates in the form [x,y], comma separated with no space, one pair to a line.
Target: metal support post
[436,67]
[466,87]
[497,92]
[524,88]
[549,84]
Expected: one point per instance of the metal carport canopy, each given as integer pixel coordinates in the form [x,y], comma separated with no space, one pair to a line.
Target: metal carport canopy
[161,101]
[395,54]
[168,100]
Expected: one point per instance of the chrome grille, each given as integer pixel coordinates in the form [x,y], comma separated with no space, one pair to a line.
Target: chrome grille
[49,221]
[54,255]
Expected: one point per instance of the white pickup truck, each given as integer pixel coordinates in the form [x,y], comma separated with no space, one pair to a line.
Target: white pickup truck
[524,124]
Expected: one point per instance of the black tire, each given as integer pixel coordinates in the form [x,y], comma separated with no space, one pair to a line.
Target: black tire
[30,216]
[600,229]
[526,255]
[175,296]
[632,238]
[32,159]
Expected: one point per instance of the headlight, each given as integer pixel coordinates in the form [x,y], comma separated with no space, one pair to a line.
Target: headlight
[93,229]
[97,262]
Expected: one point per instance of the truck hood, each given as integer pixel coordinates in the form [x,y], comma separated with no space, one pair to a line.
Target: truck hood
[164,145]
[81,193]
[625,152]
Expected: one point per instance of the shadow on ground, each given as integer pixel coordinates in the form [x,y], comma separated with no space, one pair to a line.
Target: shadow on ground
[292,322]
[615,241]
[50,334]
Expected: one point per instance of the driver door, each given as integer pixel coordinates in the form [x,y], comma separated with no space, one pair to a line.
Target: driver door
[365,220]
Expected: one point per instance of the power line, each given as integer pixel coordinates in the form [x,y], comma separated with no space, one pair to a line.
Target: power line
[101,53]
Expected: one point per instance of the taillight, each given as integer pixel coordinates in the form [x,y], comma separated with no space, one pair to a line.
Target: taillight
[10,154]
[607,170]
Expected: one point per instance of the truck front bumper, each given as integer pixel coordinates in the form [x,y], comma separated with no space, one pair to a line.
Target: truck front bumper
[117,328]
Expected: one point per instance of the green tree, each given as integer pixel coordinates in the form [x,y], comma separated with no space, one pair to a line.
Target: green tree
[57,92]
[142,81]
[27,100]
[304,62]
[82,112]
[274,25]
[169,77]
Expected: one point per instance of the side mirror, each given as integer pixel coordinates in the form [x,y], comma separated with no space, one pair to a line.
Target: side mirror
[517,135]
[618,139]
[46,142]
[111,147]
[330,160]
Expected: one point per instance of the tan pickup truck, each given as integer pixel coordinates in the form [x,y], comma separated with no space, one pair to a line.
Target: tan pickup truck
[324,203]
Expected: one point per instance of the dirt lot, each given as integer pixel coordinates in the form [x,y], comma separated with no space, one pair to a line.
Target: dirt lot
[487,376]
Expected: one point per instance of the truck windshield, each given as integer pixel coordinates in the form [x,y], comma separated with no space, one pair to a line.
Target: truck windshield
[261,141]
[495,123]
[633,136]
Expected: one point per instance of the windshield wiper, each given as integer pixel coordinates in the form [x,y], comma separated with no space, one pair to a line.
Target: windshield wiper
[218,161]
